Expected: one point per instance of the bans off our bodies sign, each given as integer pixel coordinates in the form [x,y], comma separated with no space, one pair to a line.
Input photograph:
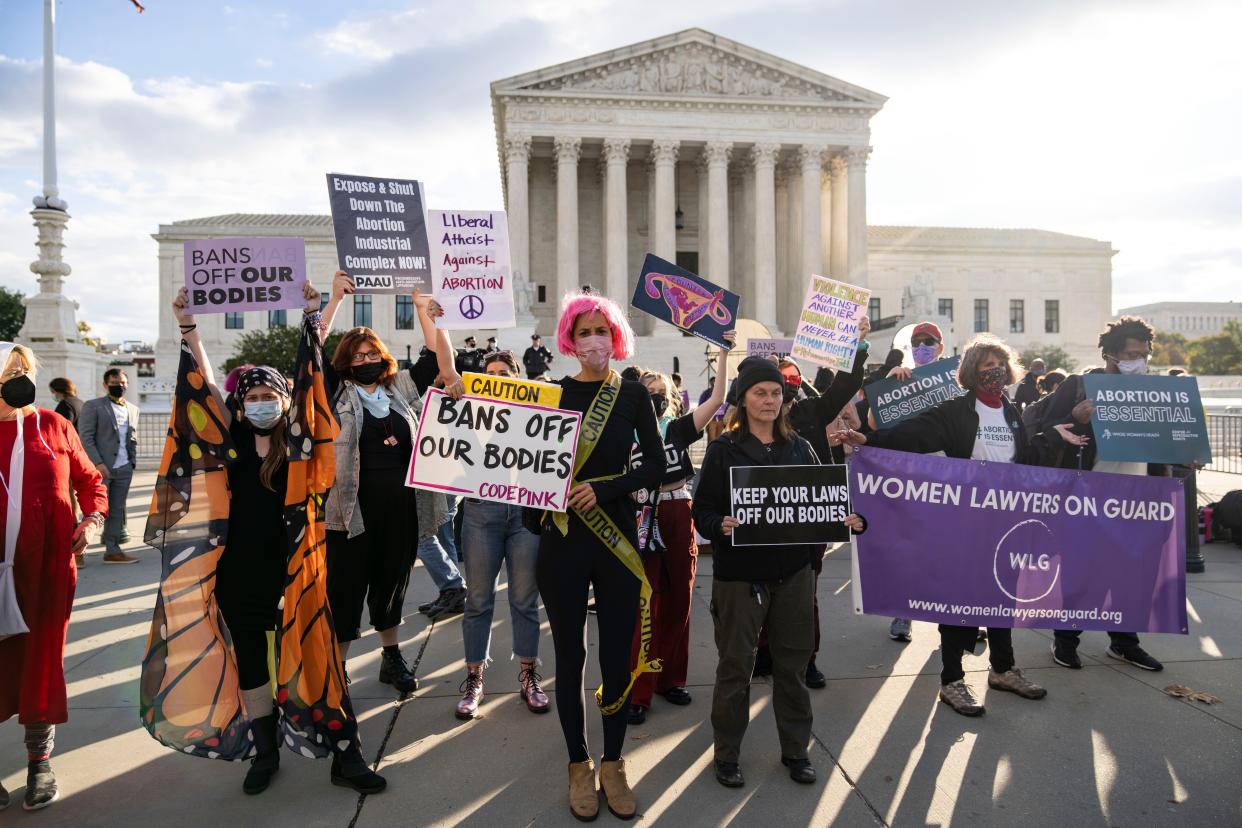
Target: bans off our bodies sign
[231,275]
[505,452]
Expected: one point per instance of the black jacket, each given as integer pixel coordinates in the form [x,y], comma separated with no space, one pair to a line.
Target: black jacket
[811,416]
[951,427]
[756,564]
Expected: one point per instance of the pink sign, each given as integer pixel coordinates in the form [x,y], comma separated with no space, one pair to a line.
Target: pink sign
[229,275]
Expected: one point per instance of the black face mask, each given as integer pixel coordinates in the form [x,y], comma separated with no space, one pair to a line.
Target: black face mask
[660,403]
[368,373]
[18,392]
[116,391]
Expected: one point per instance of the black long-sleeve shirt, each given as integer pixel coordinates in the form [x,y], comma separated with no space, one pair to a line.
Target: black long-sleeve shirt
[631,415]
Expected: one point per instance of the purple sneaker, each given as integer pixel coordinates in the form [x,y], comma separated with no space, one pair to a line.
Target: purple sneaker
[532,693]
[472,695]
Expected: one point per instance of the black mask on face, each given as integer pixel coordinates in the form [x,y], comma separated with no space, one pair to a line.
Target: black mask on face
[660,403]
[18,392]
[368,373]
[116,391]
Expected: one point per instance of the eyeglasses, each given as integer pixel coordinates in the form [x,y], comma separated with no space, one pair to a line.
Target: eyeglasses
[366,356]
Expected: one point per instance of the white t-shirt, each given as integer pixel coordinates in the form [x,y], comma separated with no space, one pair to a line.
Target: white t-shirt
[121,413]
[994,442]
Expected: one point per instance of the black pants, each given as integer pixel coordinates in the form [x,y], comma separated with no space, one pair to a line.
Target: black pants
[250,647]
[954,641]
[373,567]
[1123,641]
[567,567]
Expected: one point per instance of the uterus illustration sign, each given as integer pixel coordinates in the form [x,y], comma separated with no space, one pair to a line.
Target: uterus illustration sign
[685,300]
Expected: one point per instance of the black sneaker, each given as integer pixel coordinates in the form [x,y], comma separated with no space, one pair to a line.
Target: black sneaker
[41,789]
[350,770]
[450,602]
[814,678]
[763,664]
[800,770]
[424,608]
[1066,655]
[395,671]
[637,714]
[729,774]
[1137,656]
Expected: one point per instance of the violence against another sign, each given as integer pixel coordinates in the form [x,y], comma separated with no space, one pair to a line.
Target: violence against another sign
[470,269]
[769,347]
[506,452]
[828,331]
[230,275]
[685,300]
[381,233]
[780,505]
[511,389]
[893,400]
[1148,419]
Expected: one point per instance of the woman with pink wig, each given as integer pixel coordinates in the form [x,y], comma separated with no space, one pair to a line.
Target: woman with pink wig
[574,555]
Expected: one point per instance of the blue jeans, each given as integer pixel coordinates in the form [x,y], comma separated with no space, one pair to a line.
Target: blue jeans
[440,566]
[445,533]
[492,534]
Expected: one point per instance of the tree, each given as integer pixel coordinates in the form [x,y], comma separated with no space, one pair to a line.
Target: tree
[1054,356]
[12,313]
[84,331]
[1169,349]
[1219,354]
[277,347]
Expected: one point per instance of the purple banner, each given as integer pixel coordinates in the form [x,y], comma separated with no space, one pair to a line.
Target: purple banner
[231,275]
[997,545]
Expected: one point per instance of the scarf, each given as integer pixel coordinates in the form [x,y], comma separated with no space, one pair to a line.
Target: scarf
[376,402]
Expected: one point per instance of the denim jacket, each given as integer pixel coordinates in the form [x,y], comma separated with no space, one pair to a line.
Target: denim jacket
[342,513]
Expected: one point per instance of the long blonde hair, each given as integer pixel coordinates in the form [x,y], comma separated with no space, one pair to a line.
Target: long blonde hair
[29,362]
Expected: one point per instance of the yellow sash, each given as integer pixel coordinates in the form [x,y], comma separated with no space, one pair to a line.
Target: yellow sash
[606,530]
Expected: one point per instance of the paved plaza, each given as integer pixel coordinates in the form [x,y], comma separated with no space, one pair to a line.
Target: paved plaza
[1107,747]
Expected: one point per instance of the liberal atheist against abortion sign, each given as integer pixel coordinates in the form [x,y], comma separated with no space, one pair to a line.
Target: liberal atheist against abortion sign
[381,233]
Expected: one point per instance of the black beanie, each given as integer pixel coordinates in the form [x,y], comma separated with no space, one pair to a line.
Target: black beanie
[753,369]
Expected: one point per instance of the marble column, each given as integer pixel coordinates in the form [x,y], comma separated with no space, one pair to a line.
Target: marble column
[856,245]
[517,203]
[700,169]
[616,268]
[782,243]
[811,160]
[798,277]
[664,231]
[763,300]
[825,218]
[717,267]
[567,152]
[840,235]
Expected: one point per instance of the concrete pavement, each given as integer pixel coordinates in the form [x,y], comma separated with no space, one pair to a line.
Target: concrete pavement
[1107,747]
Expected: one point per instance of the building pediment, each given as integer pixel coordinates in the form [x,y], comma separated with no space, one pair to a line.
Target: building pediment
[690,64]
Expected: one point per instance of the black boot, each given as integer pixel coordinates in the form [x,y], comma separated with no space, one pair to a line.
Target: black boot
[41,789]
[394,671]
[350,770]
[267,761]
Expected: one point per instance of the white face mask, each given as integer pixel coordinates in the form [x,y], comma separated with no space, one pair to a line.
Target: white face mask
[1132,366]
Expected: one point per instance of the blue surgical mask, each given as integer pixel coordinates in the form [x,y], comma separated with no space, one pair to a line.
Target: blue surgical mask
[923,354]
[263,414]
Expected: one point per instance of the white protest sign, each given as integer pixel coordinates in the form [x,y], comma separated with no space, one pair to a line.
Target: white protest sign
[827,331]
[470,271]
[489,449]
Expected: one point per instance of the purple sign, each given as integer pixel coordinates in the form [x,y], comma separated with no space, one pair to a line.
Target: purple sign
[228,275]
[997,545]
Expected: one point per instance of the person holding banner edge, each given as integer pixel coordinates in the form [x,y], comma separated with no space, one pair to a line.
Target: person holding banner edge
[374,520]
[750,588]
[670,556]
[493,535]
[982,424]
[593,544]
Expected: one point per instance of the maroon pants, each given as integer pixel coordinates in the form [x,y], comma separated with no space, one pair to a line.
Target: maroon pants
[671,574]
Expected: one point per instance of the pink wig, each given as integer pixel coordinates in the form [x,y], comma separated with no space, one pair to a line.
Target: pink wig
[230,381]
[575,305]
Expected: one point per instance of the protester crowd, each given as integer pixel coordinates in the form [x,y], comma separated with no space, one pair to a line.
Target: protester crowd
[625,550]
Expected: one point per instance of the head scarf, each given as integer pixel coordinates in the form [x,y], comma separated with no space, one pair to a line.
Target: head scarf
[261,375]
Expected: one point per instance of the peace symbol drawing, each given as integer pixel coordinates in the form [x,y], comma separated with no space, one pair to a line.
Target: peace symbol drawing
[471,306]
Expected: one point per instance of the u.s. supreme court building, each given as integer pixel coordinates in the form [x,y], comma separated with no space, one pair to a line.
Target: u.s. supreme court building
[734,163]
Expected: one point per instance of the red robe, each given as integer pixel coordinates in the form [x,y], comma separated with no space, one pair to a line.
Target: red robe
[32,671]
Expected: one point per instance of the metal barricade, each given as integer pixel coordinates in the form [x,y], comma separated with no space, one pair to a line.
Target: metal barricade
[152,429]
[1225,437]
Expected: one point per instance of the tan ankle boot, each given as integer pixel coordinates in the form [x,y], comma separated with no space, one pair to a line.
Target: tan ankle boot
[583,797]
[616,789]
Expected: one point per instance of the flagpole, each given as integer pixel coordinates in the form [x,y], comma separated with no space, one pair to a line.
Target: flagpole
[51,195]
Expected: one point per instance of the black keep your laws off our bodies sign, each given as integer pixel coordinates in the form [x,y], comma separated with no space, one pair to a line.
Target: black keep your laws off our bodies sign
[381,233]
[780,505]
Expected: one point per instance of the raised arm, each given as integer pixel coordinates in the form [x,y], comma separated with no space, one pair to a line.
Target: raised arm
[342,285]
[708,408]
[438,341]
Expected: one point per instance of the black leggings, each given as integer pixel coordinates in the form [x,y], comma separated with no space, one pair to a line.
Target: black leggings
[251,649]
[567,567]
[954,641]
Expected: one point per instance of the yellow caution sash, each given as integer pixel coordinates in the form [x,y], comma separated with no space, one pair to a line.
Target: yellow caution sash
[606,530]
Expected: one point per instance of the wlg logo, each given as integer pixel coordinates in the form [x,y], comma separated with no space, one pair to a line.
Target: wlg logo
[1027,562]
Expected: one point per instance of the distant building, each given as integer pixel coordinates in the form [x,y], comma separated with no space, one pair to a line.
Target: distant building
[1190,319]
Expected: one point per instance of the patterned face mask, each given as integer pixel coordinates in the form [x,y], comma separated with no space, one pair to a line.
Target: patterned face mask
[594,351]
[992,380]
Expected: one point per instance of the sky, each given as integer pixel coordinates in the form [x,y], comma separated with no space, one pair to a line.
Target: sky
[1108,119]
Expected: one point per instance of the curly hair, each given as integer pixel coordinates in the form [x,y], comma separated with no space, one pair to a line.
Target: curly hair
[575,305]
[977,350]
[1113,337]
